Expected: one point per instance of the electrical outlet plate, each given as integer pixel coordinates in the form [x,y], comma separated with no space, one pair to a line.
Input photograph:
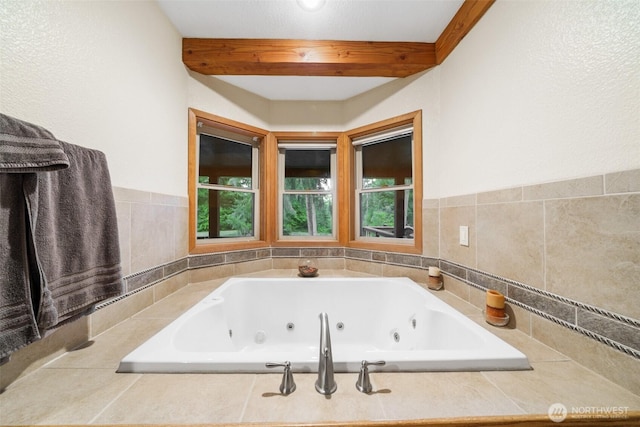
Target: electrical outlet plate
[464,235]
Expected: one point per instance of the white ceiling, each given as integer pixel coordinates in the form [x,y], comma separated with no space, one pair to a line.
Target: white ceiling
[354,20]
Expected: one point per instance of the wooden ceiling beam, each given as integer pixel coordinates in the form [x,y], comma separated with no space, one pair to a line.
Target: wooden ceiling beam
[279,57]
[462,22]
[275,57]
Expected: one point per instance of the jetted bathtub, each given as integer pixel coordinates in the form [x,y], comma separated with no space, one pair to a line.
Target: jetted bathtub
[249,321]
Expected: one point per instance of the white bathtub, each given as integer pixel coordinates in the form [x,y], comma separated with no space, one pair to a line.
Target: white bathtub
[249,321]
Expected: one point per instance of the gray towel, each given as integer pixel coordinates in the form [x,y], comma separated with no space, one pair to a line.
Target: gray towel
[25,147]
[76,235]
[25,150]
[59,252]
[19,285]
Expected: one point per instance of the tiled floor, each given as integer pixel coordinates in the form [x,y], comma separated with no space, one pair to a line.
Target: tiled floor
[82,387]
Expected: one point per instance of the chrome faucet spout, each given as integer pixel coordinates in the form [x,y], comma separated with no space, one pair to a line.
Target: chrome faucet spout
[326,383]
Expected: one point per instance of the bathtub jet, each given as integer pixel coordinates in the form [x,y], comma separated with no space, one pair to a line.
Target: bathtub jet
[249,321]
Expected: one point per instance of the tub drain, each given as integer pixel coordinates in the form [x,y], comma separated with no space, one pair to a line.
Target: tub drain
[340,326]
[290,326]
[260,337]
[396,337]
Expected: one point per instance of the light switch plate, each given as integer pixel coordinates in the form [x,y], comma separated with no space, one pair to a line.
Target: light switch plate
[464,235]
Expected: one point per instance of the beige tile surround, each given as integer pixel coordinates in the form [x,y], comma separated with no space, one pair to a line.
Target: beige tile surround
[153,228]
[87,389]
[579,238]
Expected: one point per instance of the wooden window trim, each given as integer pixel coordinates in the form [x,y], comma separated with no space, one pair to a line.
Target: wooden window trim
[345,191]
[415,119]
[241,128]
[272,204]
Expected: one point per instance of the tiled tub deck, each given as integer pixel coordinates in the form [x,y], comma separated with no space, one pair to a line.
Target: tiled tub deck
[82,387]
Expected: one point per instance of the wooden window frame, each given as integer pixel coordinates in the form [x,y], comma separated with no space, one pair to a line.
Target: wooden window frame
[394,245]
[217,122]
[273,207]
[346,233]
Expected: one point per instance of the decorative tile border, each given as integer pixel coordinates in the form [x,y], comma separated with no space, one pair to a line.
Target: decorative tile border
[143,279]
[134,283]
[208,260]
[176,267]
[336,252]
[614,330]
[392,258]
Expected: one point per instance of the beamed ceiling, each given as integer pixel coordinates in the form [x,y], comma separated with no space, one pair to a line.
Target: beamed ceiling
[235,56]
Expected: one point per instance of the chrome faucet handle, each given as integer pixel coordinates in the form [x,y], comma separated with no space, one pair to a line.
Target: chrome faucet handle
[364,383]
[287,386]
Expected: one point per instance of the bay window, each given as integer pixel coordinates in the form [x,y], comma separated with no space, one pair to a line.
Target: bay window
[251,188]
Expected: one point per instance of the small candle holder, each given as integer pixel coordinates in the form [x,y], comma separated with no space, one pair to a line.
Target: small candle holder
[434,281]
[494,310]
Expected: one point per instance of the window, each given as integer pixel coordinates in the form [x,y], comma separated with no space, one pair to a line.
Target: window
[227,185]
[251,188]
[384,184]
[307,182]
[387,184]
[225,180]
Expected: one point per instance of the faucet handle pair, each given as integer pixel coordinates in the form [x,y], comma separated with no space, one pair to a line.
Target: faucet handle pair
[364,383]
[287,386]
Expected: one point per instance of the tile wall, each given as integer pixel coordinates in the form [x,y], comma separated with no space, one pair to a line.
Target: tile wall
[153,229]
[567,252]
[566,255]
[153,249]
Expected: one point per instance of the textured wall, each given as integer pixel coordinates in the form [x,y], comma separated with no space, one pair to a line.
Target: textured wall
[101,74]
[540,91]
[214,96]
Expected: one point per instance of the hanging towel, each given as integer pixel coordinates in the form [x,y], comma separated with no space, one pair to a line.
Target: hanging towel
[76,235]
[19,289]
[59,252]
[25,148]
[25,151]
